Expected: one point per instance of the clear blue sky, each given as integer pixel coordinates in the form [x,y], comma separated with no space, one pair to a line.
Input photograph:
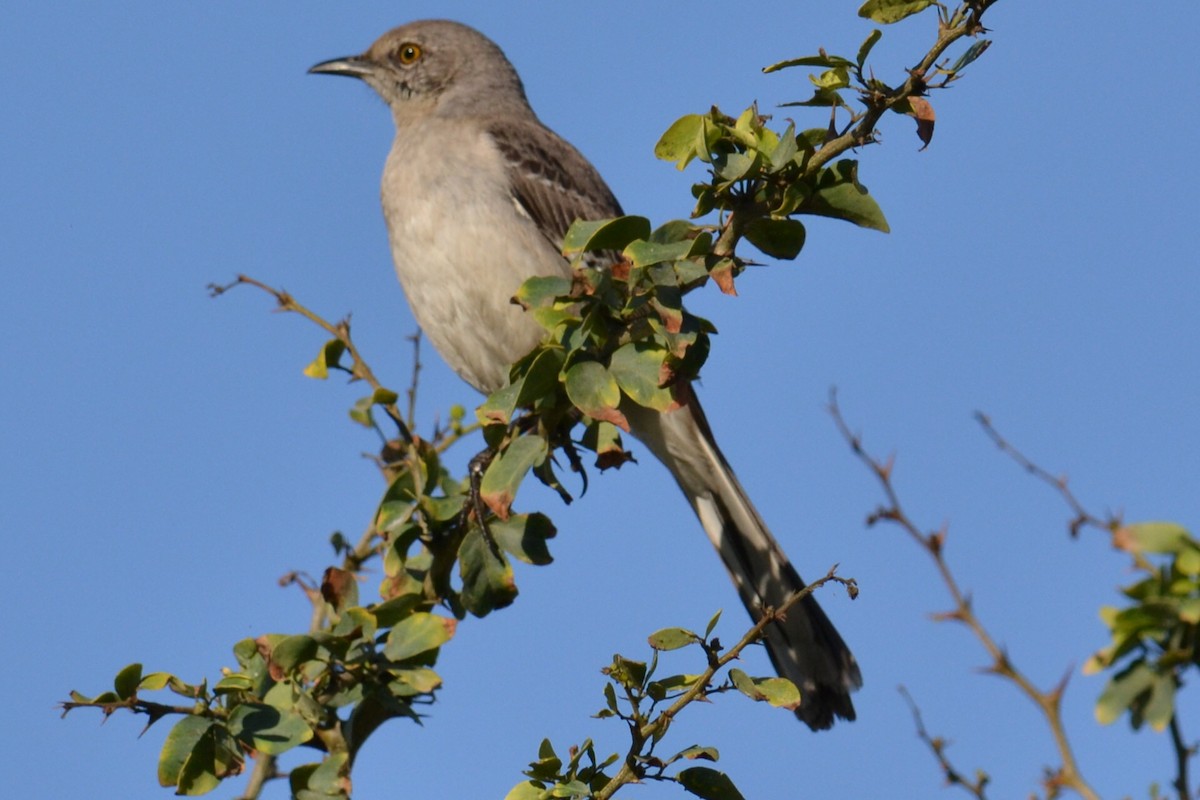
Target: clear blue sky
[163,459]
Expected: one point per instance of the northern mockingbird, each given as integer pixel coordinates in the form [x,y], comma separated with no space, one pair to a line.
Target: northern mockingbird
[478,194]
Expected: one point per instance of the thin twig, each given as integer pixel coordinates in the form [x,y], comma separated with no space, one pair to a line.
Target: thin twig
[938,746]
[964,22]
[1183,754]
[1083,518]
[359,369]
[629,772]
[416,372]
[1048,702]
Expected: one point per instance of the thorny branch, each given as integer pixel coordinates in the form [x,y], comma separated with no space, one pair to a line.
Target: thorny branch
[366,546]
[1048,702]
[1111,524]
[631,771]
[1083,518]
[965,21]
[359,370]
[937,746]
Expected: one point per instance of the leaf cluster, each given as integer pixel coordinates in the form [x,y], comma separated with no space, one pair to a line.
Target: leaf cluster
[617,334]
[1156,637]
[287,692]
[648,705]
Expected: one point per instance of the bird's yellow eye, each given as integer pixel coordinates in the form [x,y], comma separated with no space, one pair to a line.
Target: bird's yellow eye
[409,53]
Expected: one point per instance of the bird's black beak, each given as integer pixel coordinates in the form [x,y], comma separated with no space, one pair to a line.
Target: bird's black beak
[351,67]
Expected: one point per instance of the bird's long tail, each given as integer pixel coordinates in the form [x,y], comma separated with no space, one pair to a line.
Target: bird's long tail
[805,647]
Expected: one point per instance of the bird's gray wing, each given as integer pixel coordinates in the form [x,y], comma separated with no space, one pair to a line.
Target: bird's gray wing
[551,182]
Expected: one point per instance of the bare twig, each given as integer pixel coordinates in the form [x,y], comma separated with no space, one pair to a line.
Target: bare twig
[1111,524]
[416,373]
[938,746]
[1049,702]
[359,369]
[1183,754]
[1083,518]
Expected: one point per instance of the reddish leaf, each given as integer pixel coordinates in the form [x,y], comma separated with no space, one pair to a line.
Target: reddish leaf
[723,277]
[922,111]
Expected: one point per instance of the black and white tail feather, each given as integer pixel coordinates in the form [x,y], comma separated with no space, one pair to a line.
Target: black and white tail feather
[804,647]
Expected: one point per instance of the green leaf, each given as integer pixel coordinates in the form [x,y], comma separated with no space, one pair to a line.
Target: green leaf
[1160,707]
[627,672]
[500,405]
[708,783]
[155,681]
[294,651]
[785,150]
[639,369]
[841,196]
[1188,561]
[524,536]
[643,253]
[1122,691]
[1156,537]
[822,98]
[188,690]
[267,729]
[885,12]
[837,78]
[571,789]
[733,167]
[487,576]
[526,790]
[604,440]
[610,698]
[595,392]
[541,377]
[504,475]
[421,679]
[384,397]
[236,682]
[712,624]
[328,357]
[867,45]
[127,681]
[778,238]
[779,692]
[696,752]
[672,638]
[679,142]
[827,61]
[548,766]
[604,234]
[214,758]
[180,742]
[389,613]
[660,689]
[677,230]
[324,781]
[542,290]
[360,412]
[418,634]
[973,52]
[1189,611]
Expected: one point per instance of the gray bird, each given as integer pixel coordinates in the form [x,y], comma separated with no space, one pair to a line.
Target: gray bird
[478,194]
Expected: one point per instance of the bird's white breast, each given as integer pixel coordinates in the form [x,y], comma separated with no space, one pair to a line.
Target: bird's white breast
[462,248]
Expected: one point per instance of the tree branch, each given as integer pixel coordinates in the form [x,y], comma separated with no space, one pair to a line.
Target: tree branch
[1048,702]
